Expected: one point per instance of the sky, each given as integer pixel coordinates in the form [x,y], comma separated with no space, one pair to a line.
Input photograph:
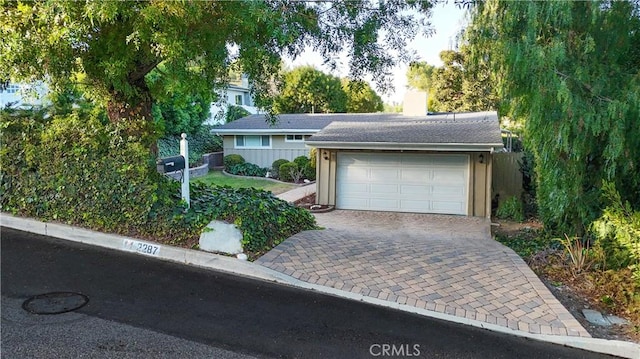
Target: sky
[446,19]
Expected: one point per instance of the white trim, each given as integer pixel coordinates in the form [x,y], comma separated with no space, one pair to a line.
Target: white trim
[235,143]
[396,146]
[278,131]
[286,139]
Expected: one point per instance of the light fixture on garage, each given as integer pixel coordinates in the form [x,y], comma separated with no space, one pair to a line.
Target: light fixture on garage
[325,155]
[481,158]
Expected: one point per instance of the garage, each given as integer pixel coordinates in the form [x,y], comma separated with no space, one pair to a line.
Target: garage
[403,182]
[438,163]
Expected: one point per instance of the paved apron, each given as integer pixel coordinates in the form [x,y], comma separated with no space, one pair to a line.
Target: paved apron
[446,264]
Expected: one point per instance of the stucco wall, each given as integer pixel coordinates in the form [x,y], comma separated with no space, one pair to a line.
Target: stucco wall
[479,201]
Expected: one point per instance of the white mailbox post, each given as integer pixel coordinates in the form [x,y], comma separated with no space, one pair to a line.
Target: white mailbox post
[184,151]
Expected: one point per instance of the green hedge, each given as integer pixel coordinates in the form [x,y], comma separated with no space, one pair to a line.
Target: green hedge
[264,219]
[78,170]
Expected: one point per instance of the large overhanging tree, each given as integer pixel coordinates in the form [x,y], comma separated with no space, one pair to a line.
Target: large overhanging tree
[116,44]
[571,71]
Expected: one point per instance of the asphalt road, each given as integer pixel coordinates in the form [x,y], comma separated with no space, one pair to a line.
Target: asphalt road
[140,307]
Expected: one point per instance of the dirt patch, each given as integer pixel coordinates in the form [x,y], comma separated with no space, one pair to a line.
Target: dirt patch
[512,229]
[309,202]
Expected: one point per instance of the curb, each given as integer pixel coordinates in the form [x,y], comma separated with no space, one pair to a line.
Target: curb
[248,269]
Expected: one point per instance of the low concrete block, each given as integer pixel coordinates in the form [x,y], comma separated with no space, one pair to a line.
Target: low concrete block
[221,237]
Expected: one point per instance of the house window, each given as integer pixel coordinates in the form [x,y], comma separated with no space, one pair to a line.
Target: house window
[263,141]
[294,138]
[12,88]
[238,99]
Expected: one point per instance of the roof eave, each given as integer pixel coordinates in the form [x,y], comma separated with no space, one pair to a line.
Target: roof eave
[394,146]
[270,131]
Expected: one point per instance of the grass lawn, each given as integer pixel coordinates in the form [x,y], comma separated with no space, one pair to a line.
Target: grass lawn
[219,179]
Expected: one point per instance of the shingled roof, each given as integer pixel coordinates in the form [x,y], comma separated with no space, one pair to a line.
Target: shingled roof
[301,122]
[468,131]
[447,131]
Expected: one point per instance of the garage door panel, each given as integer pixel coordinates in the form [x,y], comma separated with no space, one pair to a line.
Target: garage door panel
[449,175]
[446,207]
[452,192]
[384,175]
[353,188]
[384,189]
[356,173]
[357,203]
[413,190]
[417,206]
[416,175]
[382,204]
[404,182]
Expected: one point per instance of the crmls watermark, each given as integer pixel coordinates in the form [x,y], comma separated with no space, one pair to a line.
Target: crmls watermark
[394,350]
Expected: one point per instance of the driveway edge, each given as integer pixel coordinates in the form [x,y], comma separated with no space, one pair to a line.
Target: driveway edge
[248,269]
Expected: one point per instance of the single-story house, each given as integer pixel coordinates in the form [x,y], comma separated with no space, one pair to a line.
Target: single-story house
[385,162]
[260,142]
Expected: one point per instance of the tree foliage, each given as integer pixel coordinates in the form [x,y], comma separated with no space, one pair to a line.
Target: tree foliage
[308,90]
[361,98]
[179,112]
[116,44]
[457,86]
[570,71]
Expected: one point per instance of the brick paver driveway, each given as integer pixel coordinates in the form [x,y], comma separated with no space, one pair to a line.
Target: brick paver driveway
[447,264]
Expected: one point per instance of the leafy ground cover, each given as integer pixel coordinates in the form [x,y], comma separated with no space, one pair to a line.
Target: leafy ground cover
[217,178]
[591,286]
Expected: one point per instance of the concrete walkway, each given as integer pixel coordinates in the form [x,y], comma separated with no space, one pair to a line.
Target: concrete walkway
[298,193]
[446,264]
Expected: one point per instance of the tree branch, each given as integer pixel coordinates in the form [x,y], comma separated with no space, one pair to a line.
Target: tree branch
[586,86]
[143,70]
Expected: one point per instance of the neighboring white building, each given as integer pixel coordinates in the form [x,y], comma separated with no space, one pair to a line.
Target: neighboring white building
[23,95]
[238,93]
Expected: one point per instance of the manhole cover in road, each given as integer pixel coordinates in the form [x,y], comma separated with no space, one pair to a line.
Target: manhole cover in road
[55,303]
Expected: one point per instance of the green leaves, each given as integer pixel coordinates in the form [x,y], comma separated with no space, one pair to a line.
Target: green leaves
[264,219]
[563,69]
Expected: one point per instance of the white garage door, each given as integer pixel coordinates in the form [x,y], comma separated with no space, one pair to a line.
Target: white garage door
[403,182]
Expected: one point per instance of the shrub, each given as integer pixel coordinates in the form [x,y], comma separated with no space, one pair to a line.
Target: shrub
[290,172]
[247,169]
[511,208]
[264,219]
[275,167]
[232,160]
[309,172]
[301,161]
[618,232]
[199,143]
